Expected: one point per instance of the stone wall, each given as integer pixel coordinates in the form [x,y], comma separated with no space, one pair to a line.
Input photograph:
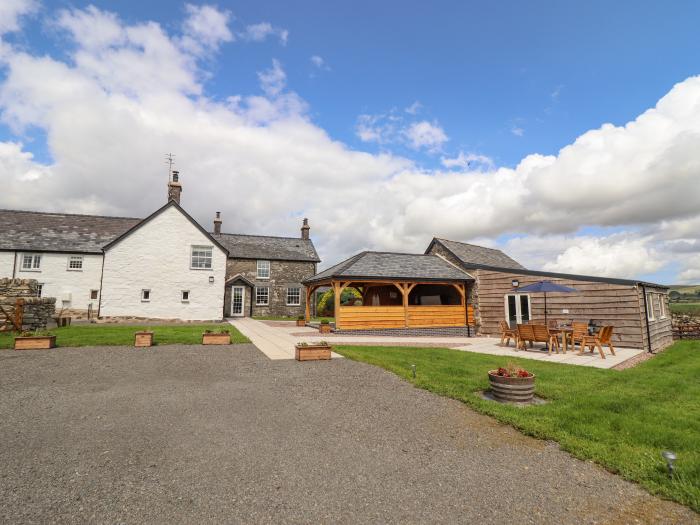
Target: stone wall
[37,310]
[283,274]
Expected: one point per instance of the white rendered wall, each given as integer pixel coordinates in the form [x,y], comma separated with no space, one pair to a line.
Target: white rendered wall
[71,288]
[7,260]
[157,257]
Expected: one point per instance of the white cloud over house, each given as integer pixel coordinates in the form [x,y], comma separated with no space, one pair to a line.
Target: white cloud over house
[129,92]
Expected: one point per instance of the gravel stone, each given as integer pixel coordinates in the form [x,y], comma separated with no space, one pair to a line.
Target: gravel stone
[190,434]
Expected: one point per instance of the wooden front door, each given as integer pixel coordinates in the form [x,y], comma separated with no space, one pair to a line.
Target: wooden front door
[237,301]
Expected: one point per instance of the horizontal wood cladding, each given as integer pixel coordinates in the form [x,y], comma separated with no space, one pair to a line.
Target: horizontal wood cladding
[364,317]
[605,303]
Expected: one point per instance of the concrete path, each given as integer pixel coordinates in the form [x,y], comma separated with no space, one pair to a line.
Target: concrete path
[277,339]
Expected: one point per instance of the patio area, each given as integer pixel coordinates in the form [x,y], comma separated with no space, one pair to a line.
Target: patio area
[276,340]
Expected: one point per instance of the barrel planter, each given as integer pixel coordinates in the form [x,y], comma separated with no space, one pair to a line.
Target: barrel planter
[512,389]
[301,322]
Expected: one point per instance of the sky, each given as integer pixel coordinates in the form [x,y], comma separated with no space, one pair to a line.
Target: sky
[565,133]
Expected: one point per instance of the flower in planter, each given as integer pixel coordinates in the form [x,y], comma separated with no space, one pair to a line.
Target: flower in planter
[512,371]
[325,321]
[301,318]
[224,331]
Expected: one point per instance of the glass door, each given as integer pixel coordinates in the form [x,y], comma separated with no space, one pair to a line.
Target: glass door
[517,309]
[237,300]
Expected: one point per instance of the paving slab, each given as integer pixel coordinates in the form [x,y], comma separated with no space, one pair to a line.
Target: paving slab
[276,340]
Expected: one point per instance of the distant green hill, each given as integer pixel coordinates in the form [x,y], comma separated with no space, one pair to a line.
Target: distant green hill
[692,289]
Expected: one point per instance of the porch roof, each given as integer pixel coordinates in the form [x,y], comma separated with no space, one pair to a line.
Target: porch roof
[373,266]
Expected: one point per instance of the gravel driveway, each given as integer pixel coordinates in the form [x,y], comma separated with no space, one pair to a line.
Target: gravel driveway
[202,434]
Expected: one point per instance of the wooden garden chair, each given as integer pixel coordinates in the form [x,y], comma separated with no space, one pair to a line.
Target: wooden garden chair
[603,337]
[543,335]
[508,333]
[525,334]
[579,332]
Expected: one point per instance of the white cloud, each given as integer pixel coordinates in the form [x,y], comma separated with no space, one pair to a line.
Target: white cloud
[12,10]
[260,32]
[517,130]
[130,92]
[426,135]
[414,108]
[205,29]
[319,63]
[465,160]
[273,80]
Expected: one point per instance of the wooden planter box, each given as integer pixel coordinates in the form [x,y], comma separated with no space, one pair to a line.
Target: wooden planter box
[512,389]
[35,342]
[301,322]
[312,352]
[324,328]
[216,339]
[143,339]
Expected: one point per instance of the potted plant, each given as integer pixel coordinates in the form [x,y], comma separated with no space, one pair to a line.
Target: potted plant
[222,337]
[143,338]
[512,384]
[38,340]
[301,320]
[312,352]
[324,327]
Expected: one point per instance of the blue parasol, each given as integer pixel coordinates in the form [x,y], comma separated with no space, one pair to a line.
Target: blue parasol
[545,287]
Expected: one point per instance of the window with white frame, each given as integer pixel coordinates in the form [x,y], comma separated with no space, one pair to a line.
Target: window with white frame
[263,270]
[262,296]
[145,296]
[650,306]
[662,305]
[185,296]
[293,296]
[201,257]
[75,262]
[31,262]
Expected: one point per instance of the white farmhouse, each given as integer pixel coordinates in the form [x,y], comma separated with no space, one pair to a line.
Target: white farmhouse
[166,266]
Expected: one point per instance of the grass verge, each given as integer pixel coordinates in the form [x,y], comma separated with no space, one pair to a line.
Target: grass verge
[622,420]
[123,335]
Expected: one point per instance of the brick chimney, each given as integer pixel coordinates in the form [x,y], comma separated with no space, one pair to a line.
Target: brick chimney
[174,187]
[217,223]
[305,230]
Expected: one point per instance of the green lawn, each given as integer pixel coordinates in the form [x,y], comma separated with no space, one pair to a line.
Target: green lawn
[112,334]
[622,420]
[685,308]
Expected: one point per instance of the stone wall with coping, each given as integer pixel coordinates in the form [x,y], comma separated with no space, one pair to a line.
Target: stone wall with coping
[38,311]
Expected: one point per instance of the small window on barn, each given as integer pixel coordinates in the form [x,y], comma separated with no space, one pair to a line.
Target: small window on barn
[262,296]
[75,263]
[293,296]
[145,296]
[201,257]
[650,306]
[94,294]
[39,288]
[662,306]
[263,270]
[185,296]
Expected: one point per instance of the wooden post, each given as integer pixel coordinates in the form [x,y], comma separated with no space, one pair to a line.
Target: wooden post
[307,313]
[336,303]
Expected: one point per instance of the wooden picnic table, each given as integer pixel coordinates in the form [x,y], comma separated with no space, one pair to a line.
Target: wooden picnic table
[564,332]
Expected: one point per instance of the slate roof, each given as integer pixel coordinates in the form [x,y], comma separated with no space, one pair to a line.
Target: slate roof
[266,247]
[59,232]
[386,265]
[477,256]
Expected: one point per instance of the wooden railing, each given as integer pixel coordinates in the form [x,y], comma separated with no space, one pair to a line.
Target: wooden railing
[368,317]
